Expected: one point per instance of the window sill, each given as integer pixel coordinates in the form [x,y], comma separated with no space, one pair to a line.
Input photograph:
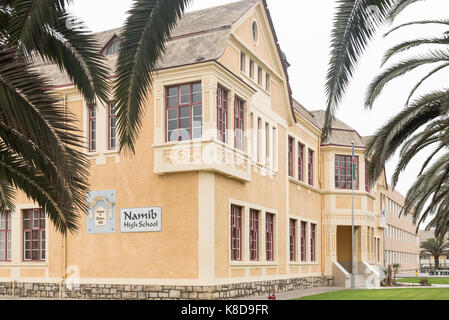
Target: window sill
[235,264]
[26,264]
[303,264]
[305,185]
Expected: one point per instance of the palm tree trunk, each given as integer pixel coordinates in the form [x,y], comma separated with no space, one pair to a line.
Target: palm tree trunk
[437,262]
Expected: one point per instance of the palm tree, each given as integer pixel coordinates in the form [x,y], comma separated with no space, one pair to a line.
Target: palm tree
[423,123]
[41,150]
[436,247]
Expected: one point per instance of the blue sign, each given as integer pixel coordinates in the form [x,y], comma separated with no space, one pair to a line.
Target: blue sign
[101,212]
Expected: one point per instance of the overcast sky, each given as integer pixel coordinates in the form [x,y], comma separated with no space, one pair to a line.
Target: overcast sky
[303,29]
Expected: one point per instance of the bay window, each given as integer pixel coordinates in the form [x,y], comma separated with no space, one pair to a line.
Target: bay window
[343,172]
[184,112]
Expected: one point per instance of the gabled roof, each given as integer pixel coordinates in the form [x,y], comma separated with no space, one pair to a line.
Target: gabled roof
[199,36]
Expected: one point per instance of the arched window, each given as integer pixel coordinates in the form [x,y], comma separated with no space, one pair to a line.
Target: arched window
[113,47]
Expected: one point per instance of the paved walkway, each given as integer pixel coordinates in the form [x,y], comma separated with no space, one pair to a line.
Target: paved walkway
[290,295]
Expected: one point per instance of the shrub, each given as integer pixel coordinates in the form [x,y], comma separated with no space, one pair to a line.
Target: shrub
[425,282]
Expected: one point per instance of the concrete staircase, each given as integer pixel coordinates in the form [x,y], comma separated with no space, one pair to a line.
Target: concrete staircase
[365,275]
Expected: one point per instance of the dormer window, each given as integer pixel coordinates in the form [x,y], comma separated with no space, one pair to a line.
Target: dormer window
[113,47]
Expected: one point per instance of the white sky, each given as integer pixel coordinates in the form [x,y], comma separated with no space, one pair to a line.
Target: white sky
[303,29]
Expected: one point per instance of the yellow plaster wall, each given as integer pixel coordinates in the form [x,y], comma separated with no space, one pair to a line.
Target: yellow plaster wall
[5,273]
[231,59]
[345,202]
[115,255]
[32,273]
[261,48]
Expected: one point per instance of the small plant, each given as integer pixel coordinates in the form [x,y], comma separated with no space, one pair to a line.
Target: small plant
[396,267]
[425,282]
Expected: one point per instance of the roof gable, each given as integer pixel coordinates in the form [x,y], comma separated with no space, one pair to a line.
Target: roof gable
[199,36]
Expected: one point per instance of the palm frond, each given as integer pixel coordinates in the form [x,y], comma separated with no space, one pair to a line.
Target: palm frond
[388,139]
[354,26]
[398,7]
[41,135]
[443,22]
[404,46]
[141,48]
[427,76]
[400,69]
[7,196]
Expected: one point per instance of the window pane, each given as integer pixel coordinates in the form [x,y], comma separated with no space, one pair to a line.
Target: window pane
[185,90]
[196,87]
[197,110]
[184,112]
[184,123]
[172,91]
[172,101]
[172,125]
[197,133]
[173,135]
[197,97]
[172,114]
[184,135]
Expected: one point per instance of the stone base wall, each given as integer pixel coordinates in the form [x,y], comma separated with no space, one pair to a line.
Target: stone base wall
[145,292]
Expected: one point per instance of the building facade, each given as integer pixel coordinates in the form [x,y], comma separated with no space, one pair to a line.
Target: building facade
[231,190]
[402,245]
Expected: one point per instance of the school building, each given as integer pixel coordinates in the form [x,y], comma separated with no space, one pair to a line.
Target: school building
[231,191]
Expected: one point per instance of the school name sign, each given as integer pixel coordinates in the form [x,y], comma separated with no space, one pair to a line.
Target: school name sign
[141,219]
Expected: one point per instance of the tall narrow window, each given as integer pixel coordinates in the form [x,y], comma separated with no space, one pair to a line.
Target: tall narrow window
[292,240]
[313,242]
[274,144]
[33,235]
[92,129]
[367,185]
[310,167]
[254,235]
[112,126]
[269,237]
[300,162]
[303,241]
[290,156]
[267,82]
[267,142]
[343,172]
[259,140]
[184,112]
[5,236]
[236,233]
[239,123]
[222,114]
[259,76]
[242,62]
[251,69]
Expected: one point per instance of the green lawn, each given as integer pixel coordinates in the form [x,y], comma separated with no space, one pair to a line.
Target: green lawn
[432,280]
[384,294]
